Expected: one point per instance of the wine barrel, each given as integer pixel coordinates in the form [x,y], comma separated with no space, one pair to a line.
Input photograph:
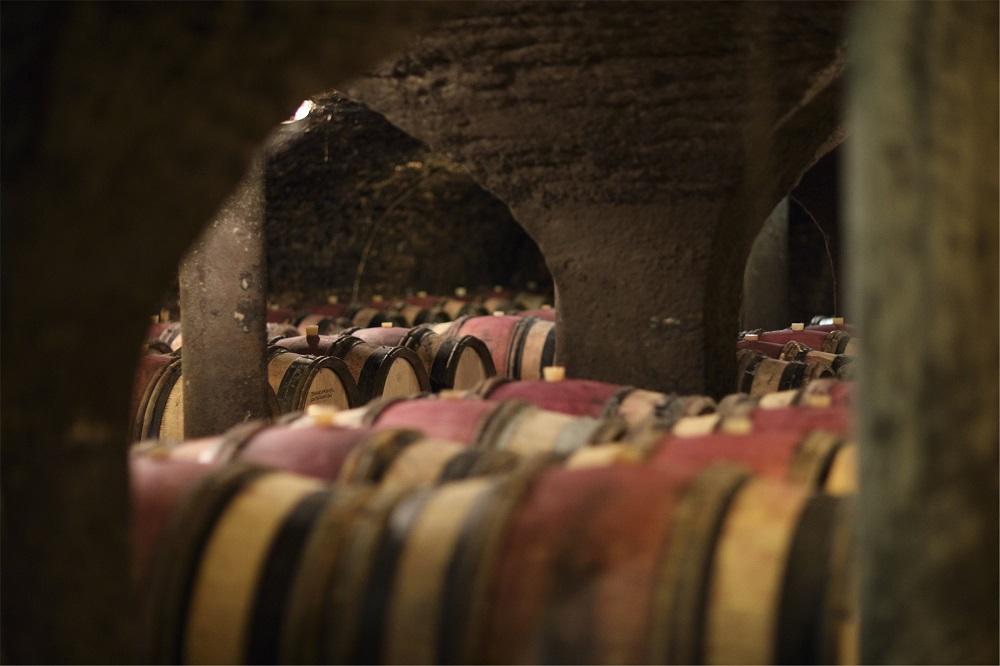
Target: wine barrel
[301,447]
[833,342]
[769,349]
[400,458]
[531,301]
[765,415]
[404,459]
[495,303]
[325,324]
[223,577]
[452,363]
[147,373]
[511,425]
[632,564]
[545,312]
[758,374]
[157,486]
[160,411]
[277,331]
[415,314]
[791,455]
[453,308]
[584,397]
[415,582]
[156,328]
[367,316]
[299,380]
[775,590]
[611,565]
[520,347]
[817,393]
[378,371]
[818,364]
[170,335]
[821,323]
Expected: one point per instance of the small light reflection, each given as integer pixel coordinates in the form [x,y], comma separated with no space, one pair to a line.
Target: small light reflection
[302,112]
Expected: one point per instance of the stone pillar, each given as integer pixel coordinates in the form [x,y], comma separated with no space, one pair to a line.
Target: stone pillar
[223,285]
[923,218]
[124,129]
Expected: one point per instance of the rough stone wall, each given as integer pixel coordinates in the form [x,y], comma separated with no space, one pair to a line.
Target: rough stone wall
[641,145]
[357,207]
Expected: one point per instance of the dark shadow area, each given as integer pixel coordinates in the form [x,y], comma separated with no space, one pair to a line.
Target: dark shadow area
[815,243]
[793,272]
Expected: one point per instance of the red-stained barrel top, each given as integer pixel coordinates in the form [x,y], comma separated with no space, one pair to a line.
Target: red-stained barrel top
[455,420]
[389,337]
[578,397]
[157,486]
[315,451]
[496,332]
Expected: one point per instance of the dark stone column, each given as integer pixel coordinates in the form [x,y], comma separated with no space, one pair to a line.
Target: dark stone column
[922,214]
[125,127]
[223,287]
[641,145]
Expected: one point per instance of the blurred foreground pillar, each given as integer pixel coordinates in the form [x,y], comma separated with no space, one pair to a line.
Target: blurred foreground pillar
[922,198]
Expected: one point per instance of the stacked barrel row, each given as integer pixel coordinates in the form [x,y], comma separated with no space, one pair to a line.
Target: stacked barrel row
[420,308]
[777,360]
[517,522]
[358,365]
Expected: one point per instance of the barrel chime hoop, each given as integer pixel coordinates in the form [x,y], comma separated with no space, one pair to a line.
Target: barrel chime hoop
[519,337]
[491,429]
[274,588]
[681,581]
[802,606]
[381,580]
[486,387]
[305,628]
[468,583]
[176,564]
[614,403]
[352,571]
[236,439]
[170,375]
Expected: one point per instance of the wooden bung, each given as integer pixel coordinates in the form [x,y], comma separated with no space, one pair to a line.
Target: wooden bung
[554,373]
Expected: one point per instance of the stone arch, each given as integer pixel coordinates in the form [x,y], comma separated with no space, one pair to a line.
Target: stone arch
[794,268]
[621,173]
[599,172]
